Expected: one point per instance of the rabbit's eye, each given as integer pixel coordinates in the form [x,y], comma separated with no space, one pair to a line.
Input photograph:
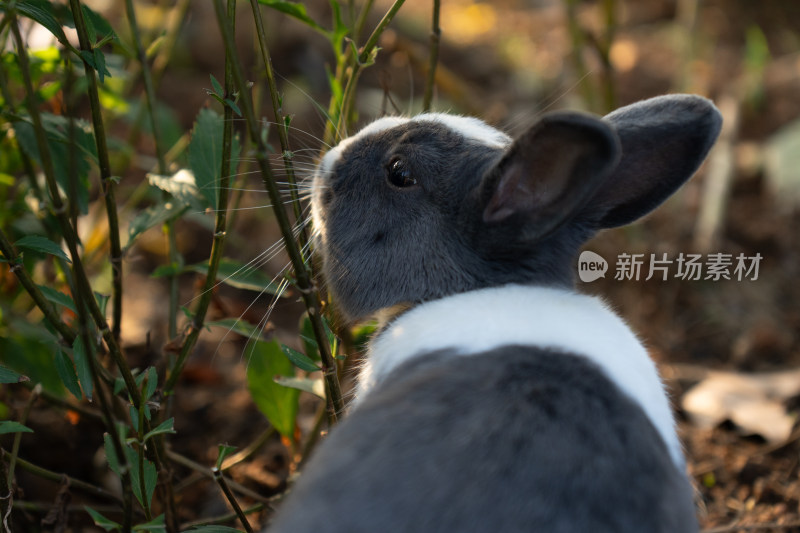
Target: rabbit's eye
[399,174]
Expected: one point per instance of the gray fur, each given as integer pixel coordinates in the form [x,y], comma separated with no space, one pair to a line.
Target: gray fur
[518,438]
[382,245]
[542,442]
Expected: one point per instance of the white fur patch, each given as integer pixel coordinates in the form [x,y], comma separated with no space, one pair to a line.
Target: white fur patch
[481,320]
[469,127]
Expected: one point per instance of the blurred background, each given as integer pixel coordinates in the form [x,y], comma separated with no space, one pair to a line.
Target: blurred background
[725,347]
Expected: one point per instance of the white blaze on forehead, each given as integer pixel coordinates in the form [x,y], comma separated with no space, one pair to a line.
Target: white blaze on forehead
[469,127]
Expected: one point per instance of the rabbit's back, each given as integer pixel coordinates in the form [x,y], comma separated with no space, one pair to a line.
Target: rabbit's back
[518,438]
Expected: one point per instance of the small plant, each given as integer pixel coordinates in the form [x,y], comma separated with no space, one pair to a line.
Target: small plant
[63,267]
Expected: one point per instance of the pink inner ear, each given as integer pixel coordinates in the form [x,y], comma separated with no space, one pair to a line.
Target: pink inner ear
[503,204]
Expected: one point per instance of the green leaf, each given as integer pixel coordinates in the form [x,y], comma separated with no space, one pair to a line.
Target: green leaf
[111,454]
[66,371]
[81,356]
[61,152]
[150,476]
[224,451]
[205,153]
[167,426]
[212,528]
[295,10]
[102,521]
[238,275]
[154,216]
[156,524]
[311,386]
[232,105]
[182,186]
[41,244]
[58,297]
[240,326]
[9,426]
[9,376]
[152,383]
[217,87]
[42,12]
[97,25]
[277,403]
[298,359]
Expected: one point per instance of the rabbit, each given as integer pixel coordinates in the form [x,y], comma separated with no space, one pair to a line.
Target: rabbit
[494,397]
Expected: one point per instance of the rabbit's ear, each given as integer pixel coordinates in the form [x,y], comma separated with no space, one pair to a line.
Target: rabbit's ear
[549,173]
[664,141]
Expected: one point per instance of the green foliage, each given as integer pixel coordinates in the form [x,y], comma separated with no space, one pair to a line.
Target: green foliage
[278,403]
[55,187]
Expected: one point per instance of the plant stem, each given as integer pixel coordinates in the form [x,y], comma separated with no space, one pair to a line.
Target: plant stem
[577,37]
[18,437]
[226,490]
[436,36]
[60,212]
[304,283]
[44,473]
[222,519]
[105,169]
[197,467]
[280,120]
[15,263]
[361,61]
[220,229]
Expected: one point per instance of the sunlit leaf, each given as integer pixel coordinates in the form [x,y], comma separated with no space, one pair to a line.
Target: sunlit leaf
[240,326]
[277,403]
[183,187]
[239,275]
[300,360]
[311,386]
[295,10]
[205,153]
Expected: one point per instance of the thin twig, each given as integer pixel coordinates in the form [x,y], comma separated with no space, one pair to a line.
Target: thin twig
[18,436]
[304,283]
[67,333]
[226,490]
[222,519]
[105,169]
[83,486]
[280,120]
[60,211]
[436,37]
[205,471]
[362,60]
[220,229]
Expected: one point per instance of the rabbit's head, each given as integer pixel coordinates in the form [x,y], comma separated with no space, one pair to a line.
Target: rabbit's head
[410,210]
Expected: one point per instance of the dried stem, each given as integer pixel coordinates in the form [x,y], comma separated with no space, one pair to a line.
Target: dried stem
[304,283]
